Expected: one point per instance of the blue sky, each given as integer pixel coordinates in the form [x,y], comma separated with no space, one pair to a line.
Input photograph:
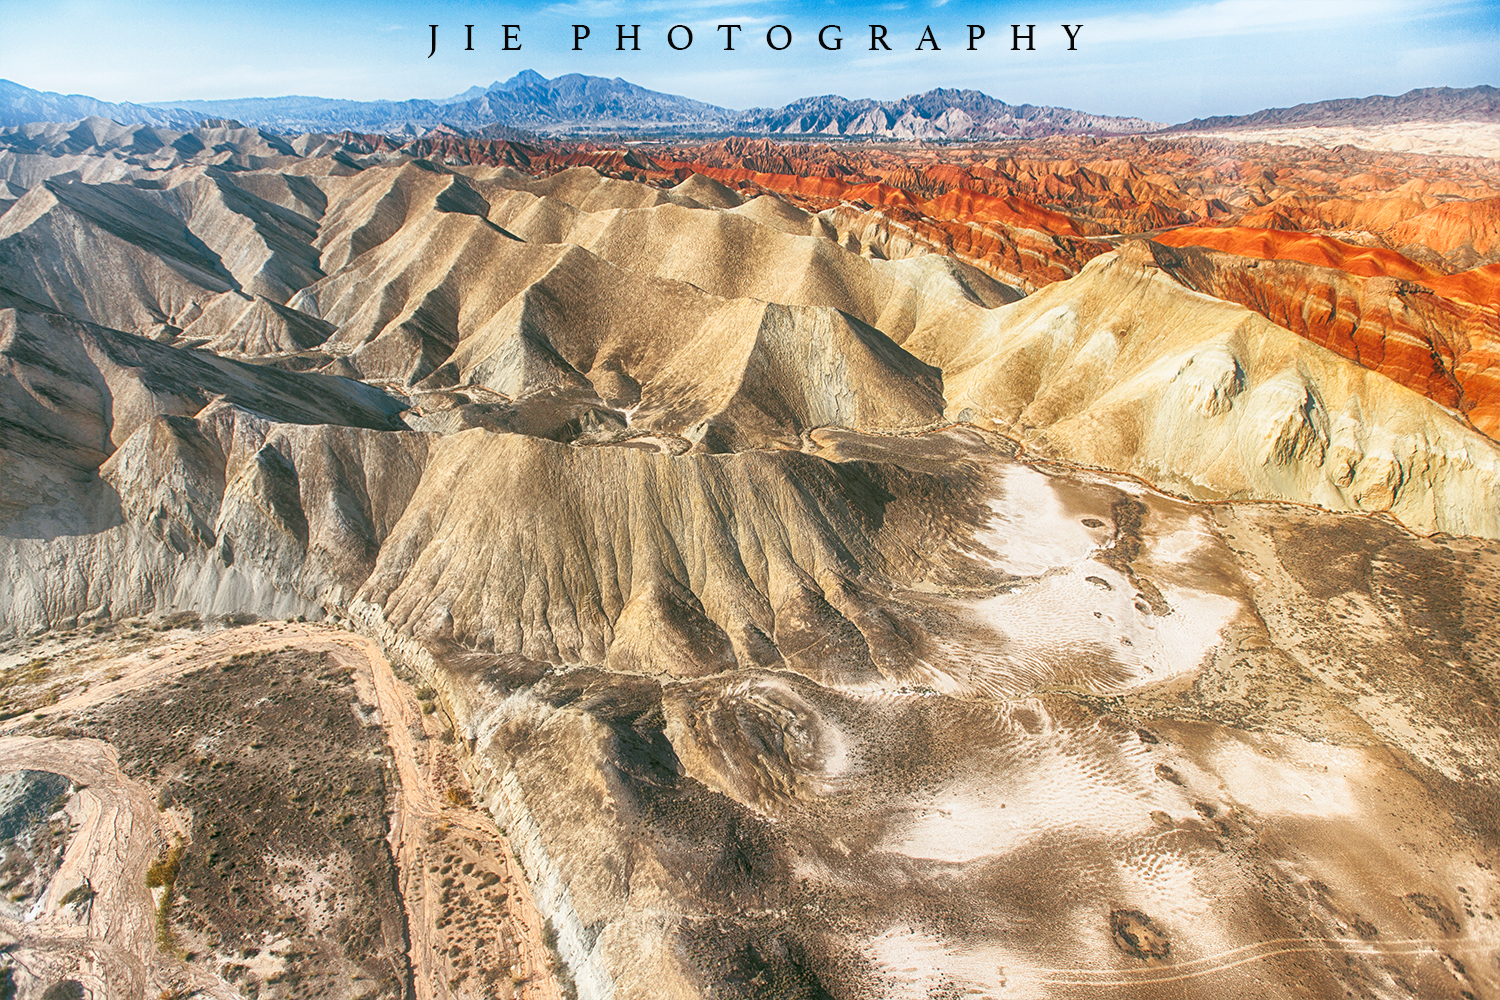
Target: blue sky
[1164,61]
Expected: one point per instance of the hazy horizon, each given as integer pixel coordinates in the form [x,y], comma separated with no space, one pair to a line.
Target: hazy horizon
[1172,62]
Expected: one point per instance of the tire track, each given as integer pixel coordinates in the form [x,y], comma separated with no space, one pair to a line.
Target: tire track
[1224,961]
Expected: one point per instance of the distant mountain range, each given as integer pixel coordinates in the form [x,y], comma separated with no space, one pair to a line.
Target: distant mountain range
[937,114]
[1428,104]
[19,105]
[573,103]
[576,104]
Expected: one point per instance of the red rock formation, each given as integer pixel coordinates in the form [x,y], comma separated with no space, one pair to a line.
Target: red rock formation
[1455,227]
[1274,244]
[1479,287]
[1027,215]
[1388,259]
[1010,237]
[1440,344]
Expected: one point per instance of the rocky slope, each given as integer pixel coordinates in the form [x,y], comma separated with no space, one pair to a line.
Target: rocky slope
[1435,333]
[793,597]
[1390,266]
[464,289]
[1119,369]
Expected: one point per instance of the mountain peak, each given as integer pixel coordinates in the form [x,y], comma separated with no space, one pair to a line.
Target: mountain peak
[525,78]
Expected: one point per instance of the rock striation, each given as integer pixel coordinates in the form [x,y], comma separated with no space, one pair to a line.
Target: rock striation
[1431,332]
[580,308]
[1118,369]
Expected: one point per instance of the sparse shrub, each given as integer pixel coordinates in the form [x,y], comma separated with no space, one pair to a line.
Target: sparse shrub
[163,875]
[163,871]
[560,970]
[80,895]
[178,619]
[458,796]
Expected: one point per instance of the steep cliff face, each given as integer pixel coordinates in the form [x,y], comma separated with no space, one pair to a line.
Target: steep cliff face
[1120,369]
[1434,333]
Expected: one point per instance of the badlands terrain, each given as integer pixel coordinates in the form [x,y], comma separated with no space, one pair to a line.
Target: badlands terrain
[456,567]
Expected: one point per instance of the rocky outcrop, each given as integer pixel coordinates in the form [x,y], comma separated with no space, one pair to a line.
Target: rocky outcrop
[1436,334]
[1121,368]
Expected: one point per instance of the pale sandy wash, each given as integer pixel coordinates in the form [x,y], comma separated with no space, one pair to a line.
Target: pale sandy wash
[1434,138]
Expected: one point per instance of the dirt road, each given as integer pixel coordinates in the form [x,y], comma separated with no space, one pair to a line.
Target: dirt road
[111,948]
